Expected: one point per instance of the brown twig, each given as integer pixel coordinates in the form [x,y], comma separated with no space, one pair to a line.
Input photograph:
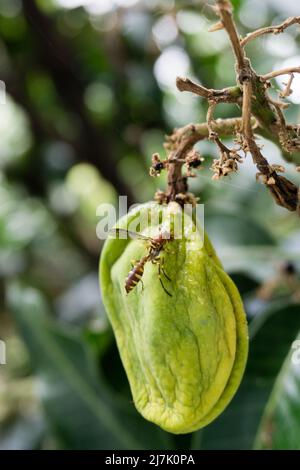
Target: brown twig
[278,104]
[277,73]
[193,133]
[224,10]
[210,119]
[226,95]
[270,30]
[288,90]
[185,84]
[246,109]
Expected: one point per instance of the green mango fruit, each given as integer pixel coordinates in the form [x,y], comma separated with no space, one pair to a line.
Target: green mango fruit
[184,355]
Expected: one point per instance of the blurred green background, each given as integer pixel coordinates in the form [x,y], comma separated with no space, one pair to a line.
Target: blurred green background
[90,94]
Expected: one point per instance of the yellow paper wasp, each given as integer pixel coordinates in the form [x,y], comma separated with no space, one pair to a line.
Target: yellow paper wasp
[156,245]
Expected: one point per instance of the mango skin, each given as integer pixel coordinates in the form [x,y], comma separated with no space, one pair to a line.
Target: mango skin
[184,356]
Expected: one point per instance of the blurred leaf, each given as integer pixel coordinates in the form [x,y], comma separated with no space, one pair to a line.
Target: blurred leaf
[236,229]
[237,426]
[81,303]
[90,189]
[259,262]
[280,427]
[244,283]
[83,413]
[99,341]
[15,137]
[23,433]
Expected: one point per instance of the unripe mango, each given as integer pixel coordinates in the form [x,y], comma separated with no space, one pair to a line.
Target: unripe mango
[184,355]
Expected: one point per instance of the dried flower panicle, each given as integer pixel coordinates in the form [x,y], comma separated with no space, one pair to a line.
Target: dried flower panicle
[182,198]
[241,142]
[157,165]
[193,161]
[187,198]
[161,197]
[278,168]
[265,179]
[269,179]
[226,164]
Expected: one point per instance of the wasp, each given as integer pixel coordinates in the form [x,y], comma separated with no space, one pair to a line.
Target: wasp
[156,246]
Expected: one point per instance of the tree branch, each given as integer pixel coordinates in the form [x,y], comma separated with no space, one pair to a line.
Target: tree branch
[226,95]
[283,191]
[224,10]
[246,109]
[252,97]
[276,73]
[270,30]
[193,133]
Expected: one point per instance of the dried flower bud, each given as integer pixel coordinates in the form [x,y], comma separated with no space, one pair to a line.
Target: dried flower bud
[157,165]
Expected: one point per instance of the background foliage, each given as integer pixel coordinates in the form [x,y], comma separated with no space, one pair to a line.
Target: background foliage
[90,95]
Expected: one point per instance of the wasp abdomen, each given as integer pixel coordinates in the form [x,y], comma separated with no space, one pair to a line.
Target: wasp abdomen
[135,275]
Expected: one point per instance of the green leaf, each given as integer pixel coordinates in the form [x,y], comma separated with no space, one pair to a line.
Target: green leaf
[280,427]
[82,411]
[237,426]
[235,229]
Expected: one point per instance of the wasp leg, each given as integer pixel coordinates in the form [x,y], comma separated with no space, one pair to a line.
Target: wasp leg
[162,262]
[166,276]
[162,284]
[158,262]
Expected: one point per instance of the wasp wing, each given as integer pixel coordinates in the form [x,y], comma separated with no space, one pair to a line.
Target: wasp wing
[125,233]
